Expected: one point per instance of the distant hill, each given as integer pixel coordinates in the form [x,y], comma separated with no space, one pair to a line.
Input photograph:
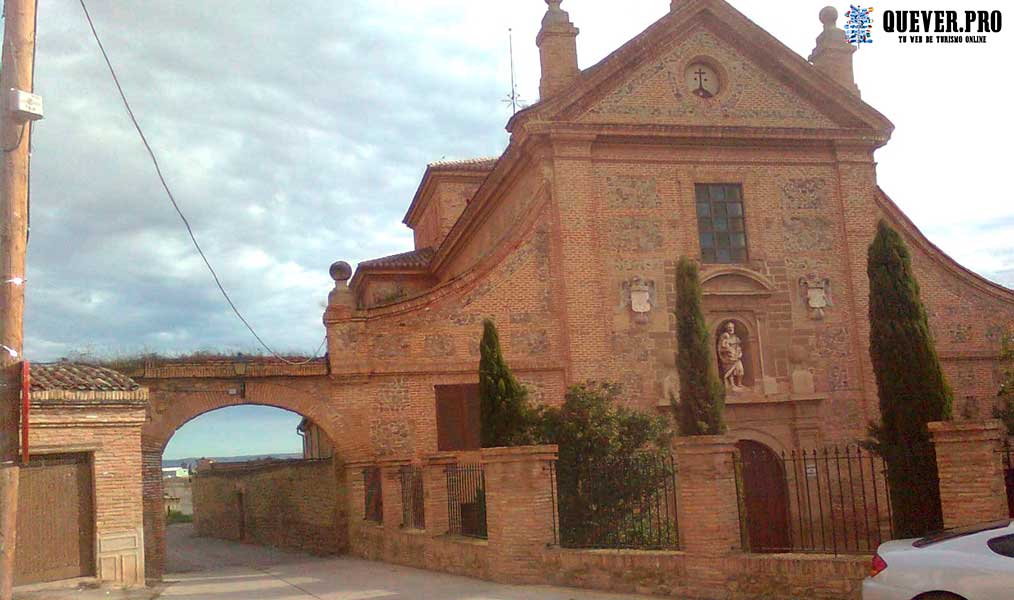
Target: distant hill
[179,462]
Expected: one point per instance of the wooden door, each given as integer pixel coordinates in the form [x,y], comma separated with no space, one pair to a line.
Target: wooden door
[458,419]
[765,497]
[56,519]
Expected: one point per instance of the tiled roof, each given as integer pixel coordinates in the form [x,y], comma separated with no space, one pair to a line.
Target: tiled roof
[416,259]
[73,376]
[484,163]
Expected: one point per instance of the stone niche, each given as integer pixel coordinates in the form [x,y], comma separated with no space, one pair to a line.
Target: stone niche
[734,298]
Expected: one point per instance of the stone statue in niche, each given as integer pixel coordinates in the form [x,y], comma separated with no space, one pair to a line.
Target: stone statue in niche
[816,295]
[639,294]
[730,357]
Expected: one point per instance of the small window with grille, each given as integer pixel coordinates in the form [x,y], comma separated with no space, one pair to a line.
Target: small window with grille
[720,222]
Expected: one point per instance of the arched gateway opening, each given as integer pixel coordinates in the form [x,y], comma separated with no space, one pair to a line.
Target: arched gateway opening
[253,474]
[180,392]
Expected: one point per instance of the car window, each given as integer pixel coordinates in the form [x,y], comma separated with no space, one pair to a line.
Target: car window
[950,534]
[1002,545]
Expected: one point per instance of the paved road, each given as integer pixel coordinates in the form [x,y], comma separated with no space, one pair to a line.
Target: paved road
[208,569]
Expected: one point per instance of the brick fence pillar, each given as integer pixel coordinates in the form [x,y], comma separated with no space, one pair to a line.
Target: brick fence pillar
[435,491]
[707,505]
[153,506]
[970,467]
[520,510]
[390,490]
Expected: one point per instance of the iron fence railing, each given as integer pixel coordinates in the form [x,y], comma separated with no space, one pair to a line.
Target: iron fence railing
[617,503]
[466,500]
[1007,455]
[374,501]
[413,513]
[833,500]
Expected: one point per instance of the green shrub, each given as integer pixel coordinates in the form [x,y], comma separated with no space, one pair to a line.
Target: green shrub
[702,396]
[910,385]
[175,516]
[607,462]
[506,418]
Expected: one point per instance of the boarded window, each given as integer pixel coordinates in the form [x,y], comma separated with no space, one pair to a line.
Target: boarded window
[720,222]
[458,420]
[374,507]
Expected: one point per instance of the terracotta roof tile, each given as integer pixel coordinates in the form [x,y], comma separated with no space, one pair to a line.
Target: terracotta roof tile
[73,376]
[484,163]
[416,259]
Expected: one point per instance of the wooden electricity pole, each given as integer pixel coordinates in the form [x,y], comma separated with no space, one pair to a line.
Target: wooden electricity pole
[15,135]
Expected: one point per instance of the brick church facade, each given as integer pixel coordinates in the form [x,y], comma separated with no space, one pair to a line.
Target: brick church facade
[703,136]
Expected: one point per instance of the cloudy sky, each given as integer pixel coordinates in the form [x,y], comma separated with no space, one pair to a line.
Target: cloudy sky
[294,134]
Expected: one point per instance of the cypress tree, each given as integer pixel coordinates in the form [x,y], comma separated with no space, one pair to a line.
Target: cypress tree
[702,396]
[910,385]
[503,401]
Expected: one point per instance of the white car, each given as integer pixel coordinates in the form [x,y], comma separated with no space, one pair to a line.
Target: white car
[968,563]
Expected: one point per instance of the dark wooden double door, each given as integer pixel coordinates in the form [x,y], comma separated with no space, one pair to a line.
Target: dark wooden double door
[56,519]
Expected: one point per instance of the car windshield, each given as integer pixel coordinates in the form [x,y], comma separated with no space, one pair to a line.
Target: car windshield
[950,534]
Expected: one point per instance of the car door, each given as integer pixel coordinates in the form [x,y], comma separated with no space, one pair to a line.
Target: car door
[996,564]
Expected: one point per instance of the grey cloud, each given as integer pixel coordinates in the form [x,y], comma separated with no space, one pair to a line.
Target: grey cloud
[280,133]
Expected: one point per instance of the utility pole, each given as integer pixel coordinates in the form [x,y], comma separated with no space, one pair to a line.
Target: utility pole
[15,137]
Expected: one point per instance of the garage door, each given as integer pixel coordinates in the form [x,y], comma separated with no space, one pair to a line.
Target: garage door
[56,519]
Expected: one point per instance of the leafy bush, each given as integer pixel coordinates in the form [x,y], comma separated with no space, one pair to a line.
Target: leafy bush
[609,461]
[175,516]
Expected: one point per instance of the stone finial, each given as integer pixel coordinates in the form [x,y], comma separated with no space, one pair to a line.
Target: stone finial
[557,43]
[340,271]
[833,54]
[828,16]
[341,295]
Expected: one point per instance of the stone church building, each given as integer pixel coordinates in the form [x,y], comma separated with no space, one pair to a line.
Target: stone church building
[703,136]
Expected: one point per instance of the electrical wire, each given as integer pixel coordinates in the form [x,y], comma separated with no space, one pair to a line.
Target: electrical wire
[17,144]
[172,199]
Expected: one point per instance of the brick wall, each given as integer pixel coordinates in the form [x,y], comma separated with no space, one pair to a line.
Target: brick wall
[520,516]
[108,426]
[745,576]
[291,504]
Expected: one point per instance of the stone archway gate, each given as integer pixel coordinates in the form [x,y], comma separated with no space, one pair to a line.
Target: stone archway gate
[180,390]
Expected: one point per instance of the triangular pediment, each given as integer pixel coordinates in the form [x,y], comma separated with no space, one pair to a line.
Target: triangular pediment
[763,83]
[658,91]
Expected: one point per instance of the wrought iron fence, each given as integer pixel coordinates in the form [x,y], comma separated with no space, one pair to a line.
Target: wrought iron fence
[374,501]
[466,500]
[1007,453]
[413,514]
[833,500]
[617,503]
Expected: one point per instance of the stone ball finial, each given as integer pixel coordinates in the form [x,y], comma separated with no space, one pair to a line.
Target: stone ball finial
[340,271]
[828,16]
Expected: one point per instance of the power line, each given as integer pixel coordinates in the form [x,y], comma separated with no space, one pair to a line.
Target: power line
[176,206]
